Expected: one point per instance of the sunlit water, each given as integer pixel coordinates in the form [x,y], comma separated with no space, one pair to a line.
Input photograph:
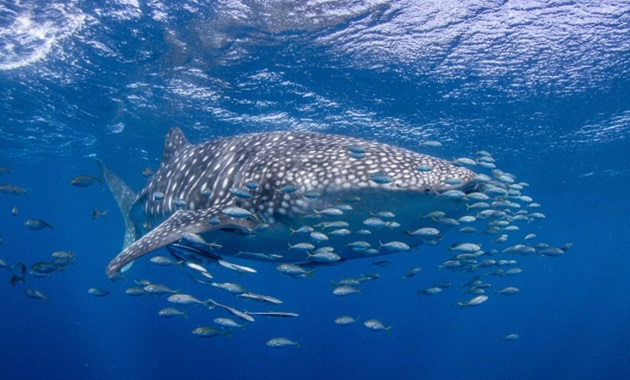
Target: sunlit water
[543,87]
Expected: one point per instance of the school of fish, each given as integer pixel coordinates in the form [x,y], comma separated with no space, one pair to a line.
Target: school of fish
[493,238]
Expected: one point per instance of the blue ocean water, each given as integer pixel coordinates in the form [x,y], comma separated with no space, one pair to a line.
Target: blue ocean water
[543,86]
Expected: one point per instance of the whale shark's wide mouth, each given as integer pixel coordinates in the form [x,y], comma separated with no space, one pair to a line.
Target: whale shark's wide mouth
[470,187]
[467,187]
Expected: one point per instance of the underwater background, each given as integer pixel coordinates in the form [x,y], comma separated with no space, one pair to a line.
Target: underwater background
[544,86]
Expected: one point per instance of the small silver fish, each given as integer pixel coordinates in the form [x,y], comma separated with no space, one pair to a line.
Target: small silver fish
[376,325]
[241,193]
[209,332]
[229,287]
[426,233]
[236,267]
[170,312]
[359,245]
[37,224]
[163,261]
[236,312]
[510,337]
[465,247]
[135,291]
[324,257]
[294,270]
[332,211]
[465,161]
[289,188]
[84,180]
[473,301]
[431,143]
[260,297]
[394,246]
[252,185]
[98,292]
[345,320]
[412,273]
[227,322]
[345,290]
[510,290]
[159,289]
[380,177]
[282,342]
[374,222]
[430,291]
[35,294]
[318,237]
[187,300]
[282,314]
[236,212]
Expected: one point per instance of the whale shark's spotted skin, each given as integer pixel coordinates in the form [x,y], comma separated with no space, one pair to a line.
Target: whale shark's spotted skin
[283,179]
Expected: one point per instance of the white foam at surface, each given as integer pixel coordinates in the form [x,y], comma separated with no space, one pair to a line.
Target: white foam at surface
[33,34]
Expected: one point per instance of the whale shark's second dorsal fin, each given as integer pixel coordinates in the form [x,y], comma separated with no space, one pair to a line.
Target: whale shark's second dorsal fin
[175,140]
[171,230]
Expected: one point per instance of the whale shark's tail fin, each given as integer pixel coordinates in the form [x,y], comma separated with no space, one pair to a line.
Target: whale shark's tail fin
[125,198]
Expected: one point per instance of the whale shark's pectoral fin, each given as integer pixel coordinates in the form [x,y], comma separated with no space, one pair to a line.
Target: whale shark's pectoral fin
[171,230]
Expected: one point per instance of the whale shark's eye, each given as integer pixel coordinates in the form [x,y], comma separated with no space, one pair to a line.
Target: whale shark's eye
[427,189]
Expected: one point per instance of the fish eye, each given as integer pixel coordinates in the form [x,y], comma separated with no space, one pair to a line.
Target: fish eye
[427,189]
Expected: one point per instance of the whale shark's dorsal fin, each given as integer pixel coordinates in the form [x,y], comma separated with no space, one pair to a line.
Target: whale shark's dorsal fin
[175,140]
[171,230]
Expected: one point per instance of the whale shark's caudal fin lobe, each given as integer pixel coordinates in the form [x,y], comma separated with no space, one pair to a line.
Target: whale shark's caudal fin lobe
[171,230]
[125,197]
[175,140]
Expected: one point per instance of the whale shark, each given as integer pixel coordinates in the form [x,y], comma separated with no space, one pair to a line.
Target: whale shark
[285,196]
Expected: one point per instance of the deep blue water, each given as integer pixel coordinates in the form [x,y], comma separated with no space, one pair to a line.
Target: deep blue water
[543,86]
